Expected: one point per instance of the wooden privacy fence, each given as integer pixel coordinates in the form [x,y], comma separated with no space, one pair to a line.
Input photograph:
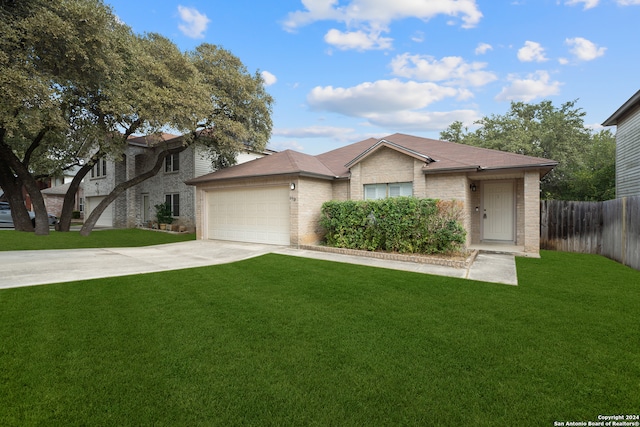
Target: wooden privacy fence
[610,228]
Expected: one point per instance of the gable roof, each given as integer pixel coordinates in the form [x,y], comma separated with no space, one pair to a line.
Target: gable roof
[286,162]
[438,157]
[631,103]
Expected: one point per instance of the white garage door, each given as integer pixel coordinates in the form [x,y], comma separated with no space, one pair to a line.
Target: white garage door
[257,215]
[106,219]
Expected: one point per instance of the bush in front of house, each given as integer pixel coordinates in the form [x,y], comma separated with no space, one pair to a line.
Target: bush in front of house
[398,224]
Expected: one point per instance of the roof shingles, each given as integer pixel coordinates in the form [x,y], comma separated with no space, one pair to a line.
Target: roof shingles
[446,156]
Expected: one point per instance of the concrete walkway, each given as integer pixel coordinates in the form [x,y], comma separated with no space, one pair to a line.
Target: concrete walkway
[27,268]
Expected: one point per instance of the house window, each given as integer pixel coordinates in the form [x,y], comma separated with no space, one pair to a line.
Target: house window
[381,191]
[99,169]
[81,204]
[172,163]
[174,202]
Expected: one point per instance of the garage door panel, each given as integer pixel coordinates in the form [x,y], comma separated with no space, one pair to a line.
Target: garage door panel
[106,218]
[259,215]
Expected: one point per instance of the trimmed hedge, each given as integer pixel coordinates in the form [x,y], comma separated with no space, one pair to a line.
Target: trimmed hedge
[398,224]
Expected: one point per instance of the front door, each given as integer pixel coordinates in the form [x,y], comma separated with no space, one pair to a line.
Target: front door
[146,214]
[498,211]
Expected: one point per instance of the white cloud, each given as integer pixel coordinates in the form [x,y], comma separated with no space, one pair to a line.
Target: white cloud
[531,52]
[269,79]
[382,96]
[286,145]
[313,132]
[483,48]
[583,49]
[423,120]
[453,69]
[418,37]
[628,2]
[375,16]
[537,85]
[358,40]
[194,23]
[393,104]
[588,4]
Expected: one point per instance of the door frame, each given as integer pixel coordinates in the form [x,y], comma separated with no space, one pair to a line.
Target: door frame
[146,208]
[512,210]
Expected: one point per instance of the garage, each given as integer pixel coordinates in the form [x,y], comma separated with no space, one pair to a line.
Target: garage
[106,219]
[256,215]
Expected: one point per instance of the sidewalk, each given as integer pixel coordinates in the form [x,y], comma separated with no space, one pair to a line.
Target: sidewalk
[27,268]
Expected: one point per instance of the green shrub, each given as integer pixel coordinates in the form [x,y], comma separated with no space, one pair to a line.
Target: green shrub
[75,215]
[399,224]
[163,213]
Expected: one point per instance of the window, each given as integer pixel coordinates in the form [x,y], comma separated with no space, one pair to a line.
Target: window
[380,191]
[172,163]
[99,169]
[174,202]
[81,204]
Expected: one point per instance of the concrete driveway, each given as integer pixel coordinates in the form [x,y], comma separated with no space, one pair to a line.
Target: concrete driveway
[27,268]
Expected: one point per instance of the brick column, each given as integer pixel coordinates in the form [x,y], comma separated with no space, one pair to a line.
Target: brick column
[532,212]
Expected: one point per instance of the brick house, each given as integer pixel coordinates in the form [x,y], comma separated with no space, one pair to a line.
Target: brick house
[277,199]
[136,206]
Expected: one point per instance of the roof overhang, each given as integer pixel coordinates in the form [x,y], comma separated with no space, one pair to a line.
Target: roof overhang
[633,102]
[202,180]
[543,167]
[393,146]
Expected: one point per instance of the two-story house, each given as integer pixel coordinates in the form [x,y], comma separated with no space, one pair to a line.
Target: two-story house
[136,206]
[627,120]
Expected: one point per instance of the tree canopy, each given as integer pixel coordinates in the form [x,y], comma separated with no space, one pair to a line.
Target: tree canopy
[586,160]
[77,83]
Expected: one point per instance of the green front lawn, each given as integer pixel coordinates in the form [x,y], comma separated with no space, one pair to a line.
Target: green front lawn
[11,240]
[280,340]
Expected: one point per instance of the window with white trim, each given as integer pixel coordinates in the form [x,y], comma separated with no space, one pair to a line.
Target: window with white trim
[381,191]
[172,163]
[173,200]
[99,170]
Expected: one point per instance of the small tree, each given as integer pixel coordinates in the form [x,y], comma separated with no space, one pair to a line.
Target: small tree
[163,213]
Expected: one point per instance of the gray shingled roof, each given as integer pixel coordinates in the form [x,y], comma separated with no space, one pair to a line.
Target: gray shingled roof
[439,156]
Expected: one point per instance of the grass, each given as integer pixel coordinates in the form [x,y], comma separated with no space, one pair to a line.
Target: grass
[280,340]
[11,240]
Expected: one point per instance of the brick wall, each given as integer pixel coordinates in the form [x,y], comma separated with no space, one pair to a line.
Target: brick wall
[310,194]
[386,166]
[532,211]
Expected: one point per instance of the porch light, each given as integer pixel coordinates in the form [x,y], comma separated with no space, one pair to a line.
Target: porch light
[473,187]
[292,186]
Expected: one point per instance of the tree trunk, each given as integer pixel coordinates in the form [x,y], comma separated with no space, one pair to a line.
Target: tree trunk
[12,188]
[90,222]
[10,159]
[64,223]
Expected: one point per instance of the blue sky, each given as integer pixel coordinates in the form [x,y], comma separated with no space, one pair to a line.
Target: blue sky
[344,70]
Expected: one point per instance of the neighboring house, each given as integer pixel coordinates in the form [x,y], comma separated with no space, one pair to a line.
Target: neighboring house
[54,199]
[136,206]
[277,199]
[54,195]
[627,120]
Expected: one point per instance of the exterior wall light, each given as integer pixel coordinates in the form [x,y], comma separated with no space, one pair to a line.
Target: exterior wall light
[292,186]
[473,187]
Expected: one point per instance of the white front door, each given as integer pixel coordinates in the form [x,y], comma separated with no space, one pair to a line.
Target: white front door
[146,209]
[498,221]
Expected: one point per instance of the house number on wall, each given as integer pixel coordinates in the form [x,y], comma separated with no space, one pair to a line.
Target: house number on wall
[293,199]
